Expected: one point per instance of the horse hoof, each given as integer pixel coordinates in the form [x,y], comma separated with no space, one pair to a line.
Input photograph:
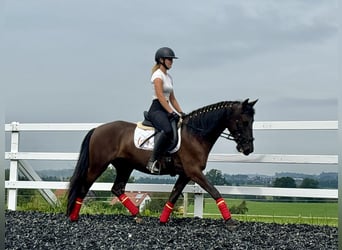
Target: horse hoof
[73,218]
[232,224]
[138,219]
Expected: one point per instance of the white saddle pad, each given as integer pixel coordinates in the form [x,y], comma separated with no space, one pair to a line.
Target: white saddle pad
[142,133]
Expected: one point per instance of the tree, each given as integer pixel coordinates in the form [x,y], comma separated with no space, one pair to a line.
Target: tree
[284,182]
[215,177]
[108,175]
[309,183]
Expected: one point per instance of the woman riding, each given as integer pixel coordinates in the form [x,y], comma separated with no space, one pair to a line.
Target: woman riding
[164,107]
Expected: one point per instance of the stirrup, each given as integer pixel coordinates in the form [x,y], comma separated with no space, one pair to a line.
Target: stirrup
[153,167]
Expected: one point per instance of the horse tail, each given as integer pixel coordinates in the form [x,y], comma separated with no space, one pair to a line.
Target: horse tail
[80,172]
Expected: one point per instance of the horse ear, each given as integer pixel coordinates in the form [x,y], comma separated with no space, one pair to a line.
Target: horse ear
[253,102]
[245,102]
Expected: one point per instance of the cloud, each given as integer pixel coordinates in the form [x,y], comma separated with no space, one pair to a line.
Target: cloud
[242,30]
[75,55]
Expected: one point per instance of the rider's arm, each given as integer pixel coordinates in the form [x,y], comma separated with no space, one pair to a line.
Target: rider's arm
[175,103]
[158,88]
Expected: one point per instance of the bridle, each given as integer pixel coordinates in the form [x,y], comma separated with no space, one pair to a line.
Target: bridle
[237,135]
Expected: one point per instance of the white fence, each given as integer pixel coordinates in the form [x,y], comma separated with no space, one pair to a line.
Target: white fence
[18,162]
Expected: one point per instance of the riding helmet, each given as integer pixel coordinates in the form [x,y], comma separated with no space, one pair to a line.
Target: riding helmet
[164,52]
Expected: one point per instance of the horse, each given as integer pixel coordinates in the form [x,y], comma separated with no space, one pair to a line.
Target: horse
[112,143]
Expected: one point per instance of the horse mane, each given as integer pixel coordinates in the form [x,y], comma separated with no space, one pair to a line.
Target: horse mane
[203,120]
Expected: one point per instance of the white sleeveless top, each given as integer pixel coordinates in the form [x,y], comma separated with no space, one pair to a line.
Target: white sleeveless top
[167,84]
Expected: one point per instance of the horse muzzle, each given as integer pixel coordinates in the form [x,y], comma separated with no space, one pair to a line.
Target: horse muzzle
[245,149]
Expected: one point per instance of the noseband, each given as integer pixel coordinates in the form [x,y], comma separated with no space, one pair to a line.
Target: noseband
[237,137]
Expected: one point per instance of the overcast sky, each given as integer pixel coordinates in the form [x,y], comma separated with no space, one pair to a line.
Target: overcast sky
[90,61]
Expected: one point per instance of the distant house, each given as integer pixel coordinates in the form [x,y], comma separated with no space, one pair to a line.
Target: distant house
[139,199]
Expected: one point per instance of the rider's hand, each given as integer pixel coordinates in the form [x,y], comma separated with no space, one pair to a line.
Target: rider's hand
[174,116]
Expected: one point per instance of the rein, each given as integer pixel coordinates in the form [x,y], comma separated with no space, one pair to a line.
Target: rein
[239,139]
[224,135]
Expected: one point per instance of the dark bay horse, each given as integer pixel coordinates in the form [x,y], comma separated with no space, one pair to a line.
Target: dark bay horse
[112,143]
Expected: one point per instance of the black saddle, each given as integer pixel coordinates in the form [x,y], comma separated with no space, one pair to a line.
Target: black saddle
[147,122]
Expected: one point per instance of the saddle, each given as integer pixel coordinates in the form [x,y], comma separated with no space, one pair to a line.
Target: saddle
[144,133]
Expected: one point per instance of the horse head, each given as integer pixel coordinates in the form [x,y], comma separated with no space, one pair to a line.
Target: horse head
[240,126]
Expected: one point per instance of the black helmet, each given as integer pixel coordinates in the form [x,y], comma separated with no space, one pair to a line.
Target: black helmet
[164,52]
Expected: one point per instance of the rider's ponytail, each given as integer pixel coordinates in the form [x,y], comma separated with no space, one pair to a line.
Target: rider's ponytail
[155,67]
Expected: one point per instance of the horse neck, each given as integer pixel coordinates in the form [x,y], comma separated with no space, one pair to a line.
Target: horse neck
[216,132]
[209,122]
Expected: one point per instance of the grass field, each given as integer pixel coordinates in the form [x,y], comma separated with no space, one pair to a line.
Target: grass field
[279,212]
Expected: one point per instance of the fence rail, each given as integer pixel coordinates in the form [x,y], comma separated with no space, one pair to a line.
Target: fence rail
[18,163]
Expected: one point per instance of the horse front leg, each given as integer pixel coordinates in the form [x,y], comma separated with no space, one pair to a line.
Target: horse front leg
[175,193]
[201,180]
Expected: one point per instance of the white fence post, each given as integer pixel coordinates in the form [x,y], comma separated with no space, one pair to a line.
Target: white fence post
[14,163]
[185,204]
[198,201]
[198,205]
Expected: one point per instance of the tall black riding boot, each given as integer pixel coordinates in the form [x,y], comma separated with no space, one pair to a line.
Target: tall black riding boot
[161,142]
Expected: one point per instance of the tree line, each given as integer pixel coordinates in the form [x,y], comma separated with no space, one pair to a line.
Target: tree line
[216,177]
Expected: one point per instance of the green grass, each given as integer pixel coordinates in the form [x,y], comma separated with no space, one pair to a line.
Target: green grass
[280,212]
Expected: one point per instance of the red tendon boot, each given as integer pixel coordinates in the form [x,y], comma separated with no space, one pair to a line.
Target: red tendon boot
[76,210]
[230,223]
[164,217]
[223,208]
[129,204]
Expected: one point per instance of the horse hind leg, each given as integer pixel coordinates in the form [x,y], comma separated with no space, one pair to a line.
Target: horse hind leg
[75,196]
[118,189]
[83,189]
[81,194]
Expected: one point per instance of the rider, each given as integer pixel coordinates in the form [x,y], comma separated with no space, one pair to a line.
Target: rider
[164,105]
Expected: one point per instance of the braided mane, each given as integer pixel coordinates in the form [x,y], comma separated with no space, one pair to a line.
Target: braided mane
[203,120]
